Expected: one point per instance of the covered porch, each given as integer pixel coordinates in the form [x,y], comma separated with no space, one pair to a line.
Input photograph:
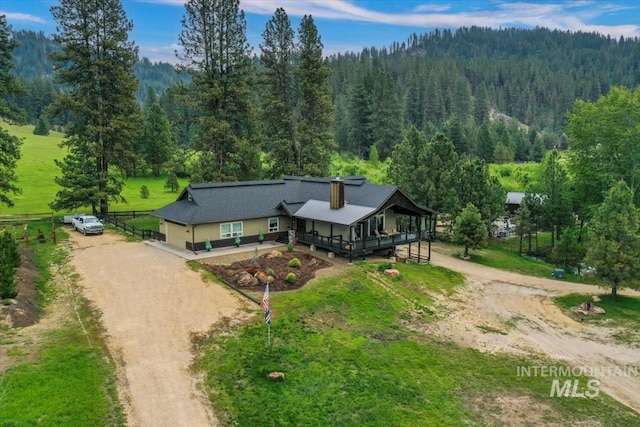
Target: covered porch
[355,232]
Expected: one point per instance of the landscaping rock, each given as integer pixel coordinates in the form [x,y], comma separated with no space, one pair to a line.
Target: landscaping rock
[246,279]
[261,277]
[276,376]
[391,272]
[274,254]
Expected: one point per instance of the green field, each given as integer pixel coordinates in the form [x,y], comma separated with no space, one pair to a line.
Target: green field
[353,355]
[36,171]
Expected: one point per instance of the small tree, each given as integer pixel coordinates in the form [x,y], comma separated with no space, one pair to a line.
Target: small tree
[613,247]
[568,251]
[144,192]
[171,183]
[42,128]
[9,262]
[469,229]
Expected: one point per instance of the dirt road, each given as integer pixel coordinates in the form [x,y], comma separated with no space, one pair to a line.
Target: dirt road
[526,321]
[150,303]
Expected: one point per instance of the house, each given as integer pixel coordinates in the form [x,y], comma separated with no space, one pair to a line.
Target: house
[348,216]
[514,199]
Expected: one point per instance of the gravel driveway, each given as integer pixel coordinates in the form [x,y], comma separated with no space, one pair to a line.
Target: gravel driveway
[151,303]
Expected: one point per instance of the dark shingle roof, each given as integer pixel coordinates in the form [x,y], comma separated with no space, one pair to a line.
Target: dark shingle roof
[218,202]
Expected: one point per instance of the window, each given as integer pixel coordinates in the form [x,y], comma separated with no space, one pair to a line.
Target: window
[230,229]
[376,223]
[273,225]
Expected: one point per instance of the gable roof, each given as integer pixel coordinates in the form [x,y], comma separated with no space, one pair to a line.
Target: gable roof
[236,201]
[347,215]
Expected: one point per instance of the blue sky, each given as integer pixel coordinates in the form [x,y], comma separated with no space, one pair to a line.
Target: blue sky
[350,25]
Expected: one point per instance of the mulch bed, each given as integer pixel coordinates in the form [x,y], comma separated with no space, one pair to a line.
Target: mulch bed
[259,267]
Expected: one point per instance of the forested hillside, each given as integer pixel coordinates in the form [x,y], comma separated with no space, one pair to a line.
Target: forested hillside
[448,81]
[36,73]
[435,80]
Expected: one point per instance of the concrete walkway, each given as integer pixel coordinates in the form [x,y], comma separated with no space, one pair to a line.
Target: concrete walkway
[215,252]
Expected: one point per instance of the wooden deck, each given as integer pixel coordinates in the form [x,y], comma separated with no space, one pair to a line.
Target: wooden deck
[362,248]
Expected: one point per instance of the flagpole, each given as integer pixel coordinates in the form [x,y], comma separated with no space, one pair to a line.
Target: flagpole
[267,313]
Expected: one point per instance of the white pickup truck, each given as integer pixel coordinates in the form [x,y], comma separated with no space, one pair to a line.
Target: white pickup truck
[87,224]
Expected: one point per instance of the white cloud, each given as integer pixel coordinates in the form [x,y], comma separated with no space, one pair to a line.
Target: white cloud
[432,8]
[22,17]
[575,16]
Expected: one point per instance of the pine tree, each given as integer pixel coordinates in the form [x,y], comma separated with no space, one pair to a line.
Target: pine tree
[613,247]
[42,128]
[157,145]
[360,109]
[315,110]
[96,64]
[171,183]
[216,54]
[279,103]
[469,229]
[386,115]
[9,144]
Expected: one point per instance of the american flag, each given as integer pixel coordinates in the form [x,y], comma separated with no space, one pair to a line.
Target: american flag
[265,306]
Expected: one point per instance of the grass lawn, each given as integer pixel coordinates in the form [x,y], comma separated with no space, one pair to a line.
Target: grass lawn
[36,171]
[503,254]
[62,377]
[350,360]
[622,314]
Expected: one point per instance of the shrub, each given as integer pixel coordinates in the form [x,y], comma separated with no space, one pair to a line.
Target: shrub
[385,266]
[270,272]
[9,262]
[290,247]
[144,192]
[294,263]
[291,278]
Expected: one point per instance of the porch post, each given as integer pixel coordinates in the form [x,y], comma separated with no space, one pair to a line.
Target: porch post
[419,236]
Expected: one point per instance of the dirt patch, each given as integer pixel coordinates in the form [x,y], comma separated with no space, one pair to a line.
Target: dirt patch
[271,267]
[503,312]
[152,304]
[23,310]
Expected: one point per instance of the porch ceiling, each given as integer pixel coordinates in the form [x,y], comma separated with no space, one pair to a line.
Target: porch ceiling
[320,211]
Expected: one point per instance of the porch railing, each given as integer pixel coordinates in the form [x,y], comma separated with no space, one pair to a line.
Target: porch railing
[356,248]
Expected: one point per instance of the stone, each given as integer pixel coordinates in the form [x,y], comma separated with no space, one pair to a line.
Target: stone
[391,272]
[331,255]
[246,279]
[276,376]
[274,254]
[261,276]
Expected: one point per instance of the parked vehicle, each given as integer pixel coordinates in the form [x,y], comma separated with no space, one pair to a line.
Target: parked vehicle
[88,224]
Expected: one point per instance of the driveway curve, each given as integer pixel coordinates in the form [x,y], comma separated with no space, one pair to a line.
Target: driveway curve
[151,303]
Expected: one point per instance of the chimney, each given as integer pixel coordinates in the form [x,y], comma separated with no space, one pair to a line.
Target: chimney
[336,196]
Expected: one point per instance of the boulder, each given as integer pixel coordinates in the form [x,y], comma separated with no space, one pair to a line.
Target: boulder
[276,376]
[261,276]
[246,279]
[391,272]
[274,254]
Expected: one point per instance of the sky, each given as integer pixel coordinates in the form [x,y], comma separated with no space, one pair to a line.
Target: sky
[350,25]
